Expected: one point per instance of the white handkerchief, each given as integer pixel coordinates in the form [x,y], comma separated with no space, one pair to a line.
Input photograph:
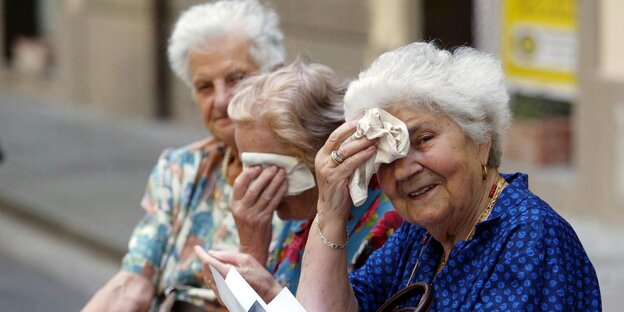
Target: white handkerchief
[299,177]
[393,144]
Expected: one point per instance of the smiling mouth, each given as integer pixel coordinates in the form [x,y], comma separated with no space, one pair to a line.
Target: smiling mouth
[420,193]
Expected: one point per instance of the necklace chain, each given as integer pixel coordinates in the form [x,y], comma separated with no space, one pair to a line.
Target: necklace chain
[497,189]
[226,162]
[488,209]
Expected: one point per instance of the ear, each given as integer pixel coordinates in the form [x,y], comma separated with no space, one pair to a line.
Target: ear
[484,150]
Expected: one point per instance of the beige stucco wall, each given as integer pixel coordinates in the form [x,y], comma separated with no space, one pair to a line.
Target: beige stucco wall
[611,26]
[103,55]
[598,154]
[118,40]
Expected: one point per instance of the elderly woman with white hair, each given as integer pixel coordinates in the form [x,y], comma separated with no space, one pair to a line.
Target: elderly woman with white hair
[282,119]
[474,239]
[213,46]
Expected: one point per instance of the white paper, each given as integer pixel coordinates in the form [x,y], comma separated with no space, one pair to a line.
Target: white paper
[285,301]
[245,295]
[239,296]
[225,293]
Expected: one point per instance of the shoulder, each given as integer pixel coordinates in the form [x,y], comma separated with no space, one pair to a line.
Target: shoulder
[517,205]
[526,217]
[535,214]
[186,153]
[183,163]
[522,220]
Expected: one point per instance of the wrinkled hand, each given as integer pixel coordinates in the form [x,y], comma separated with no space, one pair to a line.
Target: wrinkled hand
[334,201]
[257,193]
[253,272]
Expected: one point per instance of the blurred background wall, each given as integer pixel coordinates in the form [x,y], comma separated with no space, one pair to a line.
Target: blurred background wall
[563,60]
[87,102]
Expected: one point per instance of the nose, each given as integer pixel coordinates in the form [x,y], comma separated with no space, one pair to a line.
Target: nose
[406,167]
[223,95]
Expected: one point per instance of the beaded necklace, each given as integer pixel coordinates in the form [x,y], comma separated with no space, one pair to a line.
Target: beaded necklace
[226,162]
[221,185]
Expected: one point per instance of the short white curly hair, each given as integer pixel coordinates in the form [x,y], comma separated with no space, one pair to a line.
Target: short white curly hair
[203,22]
[467,85]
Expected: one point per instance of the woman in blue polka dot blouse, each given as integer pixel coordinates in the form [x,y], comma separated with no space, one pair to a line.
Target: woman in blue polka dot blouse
[480,239]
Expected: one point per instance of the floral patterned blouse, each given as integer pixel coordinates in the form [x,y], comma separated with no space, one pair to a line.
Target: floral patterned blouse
[186,204]
[369,226]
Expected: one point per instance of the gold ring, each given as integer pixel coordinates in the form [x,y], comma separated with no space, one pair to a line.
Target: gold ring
[336,157]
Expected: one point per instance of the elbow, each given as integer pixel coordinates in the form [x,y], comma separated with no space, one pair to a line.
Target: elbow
[124,292]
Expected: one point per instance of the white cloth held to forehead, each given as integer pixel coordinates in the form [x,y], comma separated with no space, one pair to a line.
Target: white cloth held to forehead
[300,177]
[393,144]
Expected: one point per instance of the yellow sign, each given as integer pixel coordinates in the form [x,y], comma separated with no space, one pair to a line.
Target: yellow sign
[539,45]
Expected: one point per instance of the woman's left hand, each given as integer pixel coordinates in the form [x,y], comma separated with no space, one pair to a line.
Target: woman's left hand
[249,268]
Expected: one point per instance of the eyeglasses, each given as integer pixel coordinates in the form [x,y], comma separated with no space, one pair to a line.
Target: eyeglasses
[418,288]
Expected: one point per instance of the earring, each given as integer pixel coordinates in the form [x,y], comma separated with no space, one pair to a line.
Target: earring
[484,171]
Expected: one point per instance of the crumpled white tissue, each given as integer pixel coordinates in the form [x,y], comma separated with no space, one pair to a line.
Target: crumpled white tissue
[300,177]
[393,144]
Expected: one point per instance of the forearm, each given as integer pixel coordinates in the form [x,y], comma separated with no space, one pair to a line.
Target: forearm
[124,292]
[324,284]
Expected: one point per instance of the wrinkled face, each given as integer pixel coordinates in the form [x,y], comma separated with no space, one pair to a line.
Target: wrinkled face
[438,179]
[257,138]
[216,67]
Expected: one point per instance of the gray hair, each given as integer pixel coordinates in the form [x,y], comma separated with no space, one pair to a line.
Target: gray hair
[203,22]
[467,85]
[301,103]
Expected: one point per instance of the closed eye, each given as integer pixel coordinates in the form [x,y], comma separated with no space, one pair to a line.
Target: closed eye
[425,138]
[204,87]
[235,77]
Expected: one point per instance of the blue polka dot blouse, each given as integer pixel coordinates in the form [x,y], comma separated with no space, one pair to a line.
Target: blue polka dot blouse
[524,257]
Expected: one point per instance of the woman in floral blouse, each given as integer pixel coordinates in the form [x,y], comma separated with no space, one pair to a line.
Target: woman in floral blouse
[285,117]
[212,47]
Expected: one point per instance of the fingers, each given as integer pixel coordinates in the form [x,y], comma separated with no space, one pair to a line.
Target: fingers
[241,184]
[262,188]
[279,195]
[354,161]
[340,134]
[275,183]
[207,259]
[346,147]
[230,257]
[208,277]
[352,147]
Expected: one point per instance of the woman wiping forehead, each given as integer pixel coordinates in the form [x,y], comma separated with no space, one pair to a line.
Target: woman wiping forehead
[480,239]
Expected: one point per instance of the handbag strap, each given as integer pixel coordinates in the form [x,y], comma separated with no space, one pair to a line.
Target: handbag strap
[417,288]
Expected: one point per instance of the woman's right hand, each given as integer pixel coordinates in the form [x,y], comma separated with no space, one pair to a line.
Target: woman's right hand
[255,273]
[334,203]
[256,194]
